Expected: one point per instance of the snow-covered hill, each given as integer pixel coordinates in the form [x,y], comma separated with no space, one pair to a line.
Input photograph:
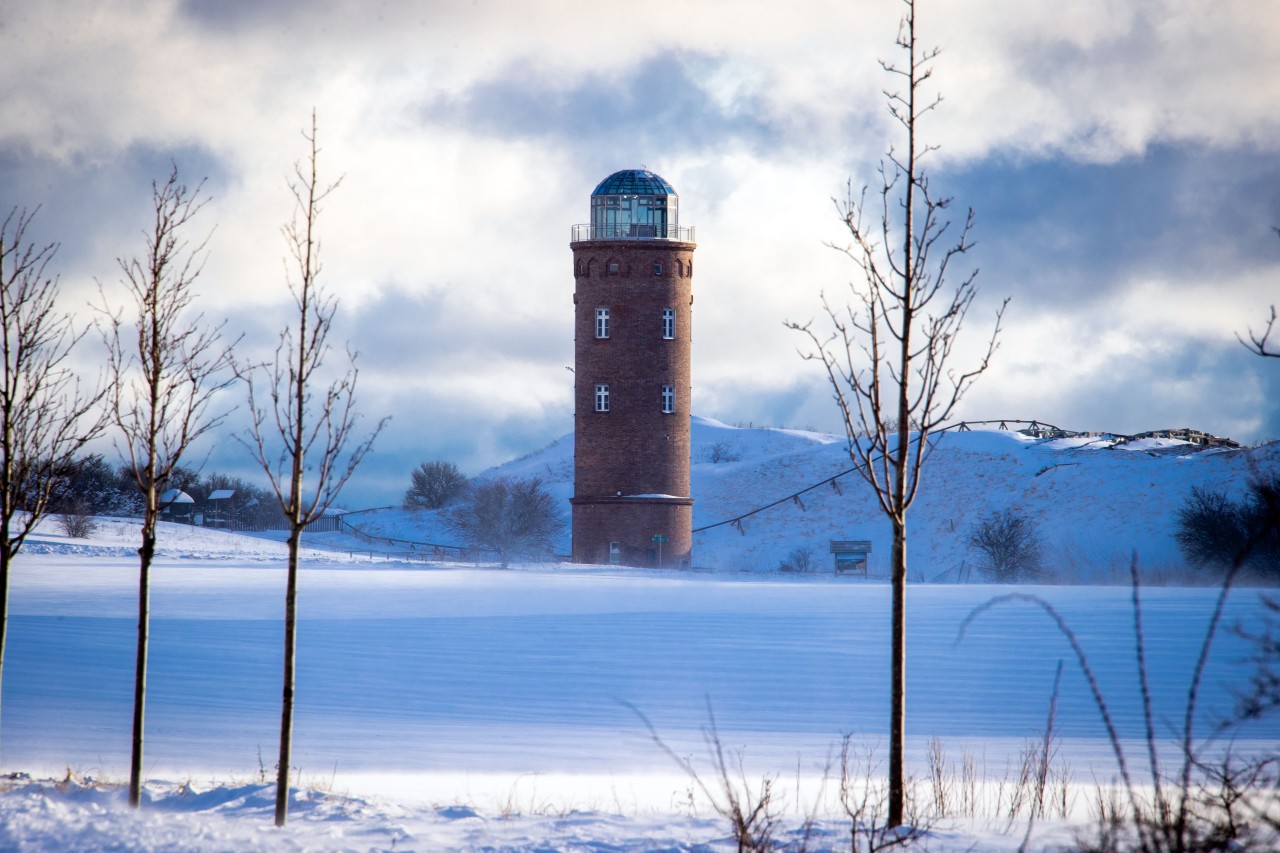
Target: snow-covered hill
[1094,501]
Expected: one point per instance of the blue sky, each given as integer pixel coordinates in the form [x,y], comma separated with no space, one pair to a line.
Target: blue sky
[1121,159]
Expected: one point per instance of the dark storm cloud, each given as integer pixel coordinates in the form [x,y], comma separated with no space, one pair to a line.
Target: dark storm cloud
[77,198]
[431,330]
[444,429]
[657,103]
[1055,230]
[236,15]
[424,426]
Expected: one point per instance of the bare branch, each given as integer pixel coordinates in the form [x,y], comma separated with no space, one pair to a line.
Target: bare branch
[1260,344]
[166,364]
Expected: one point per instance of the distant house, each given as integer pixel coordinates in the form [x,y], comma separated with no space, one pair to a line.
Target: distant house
[219,512]
[176,504]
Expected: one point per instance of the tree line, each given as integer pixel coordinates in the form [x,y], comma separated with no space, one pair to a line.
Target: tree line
[91,485]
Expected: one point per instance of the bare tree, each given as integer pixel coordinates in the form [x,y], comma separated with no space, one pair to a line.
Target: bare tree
[304,441]
[512,517]
[164,362]
[1259,343]
[889,357]
[76,520]
[1009,544]
[45,417]
[434,484]
[1215,531]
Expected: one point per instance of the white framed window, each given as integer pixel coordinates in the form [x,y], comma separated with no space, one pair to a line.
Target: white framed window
[668,324]
[602,322]
[602,398]
[668,399]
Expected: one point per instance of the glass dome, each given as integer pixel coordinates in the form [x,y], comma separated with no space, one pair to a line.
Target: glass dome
[634,204]
[633,182]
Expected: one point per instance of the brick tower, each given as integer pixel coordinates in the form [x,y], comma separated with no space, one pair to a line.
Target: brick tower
[633,300]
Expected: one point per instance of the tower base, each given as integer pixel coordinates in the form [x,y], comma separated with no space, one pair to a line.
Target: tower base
[633,531]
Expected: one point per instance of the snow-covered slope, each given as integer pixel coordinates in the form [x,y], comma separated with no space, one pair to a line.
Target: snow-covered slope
[1094,501]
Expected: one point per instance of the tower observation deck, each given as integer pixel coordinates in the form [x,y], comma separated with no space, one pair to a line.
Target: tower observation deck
[634,204]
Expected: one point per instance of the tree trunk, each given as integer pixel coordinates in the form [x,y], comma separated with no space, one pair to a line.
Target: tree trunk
[146,553]
[8,507]
[5,560]
[898,690]
[290,645]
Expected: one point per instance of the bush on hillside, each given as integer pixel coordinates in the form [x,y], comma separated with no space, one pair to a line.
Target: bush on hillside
[434,485]
[1009,545]
[1214,531]
[799,560]
[77,522]
[515,518]
[722,452]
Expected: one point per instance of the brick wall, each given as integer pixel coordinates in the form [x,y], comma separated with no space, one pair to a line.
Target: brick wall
[634,448]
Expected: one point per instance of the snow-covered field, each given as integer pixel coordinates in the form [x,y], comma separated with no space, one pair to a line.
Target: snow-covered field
[463,707]
[471,708]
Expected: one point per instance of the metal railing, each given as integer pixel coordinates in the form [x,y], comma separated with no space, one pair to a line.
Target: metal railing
[418,550]
[633,231]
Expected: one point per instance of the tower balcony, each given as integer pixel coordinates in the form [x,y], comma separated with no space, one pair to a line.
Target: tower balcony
[633,231]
